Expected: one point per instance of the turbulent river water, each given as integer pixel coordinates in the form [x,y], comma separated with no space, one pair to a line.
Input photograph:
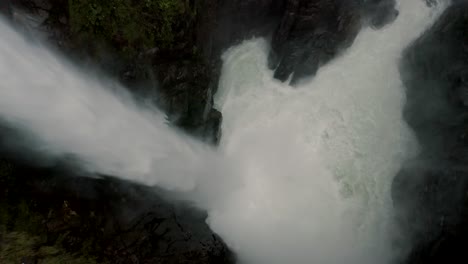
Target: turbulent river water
[302,175]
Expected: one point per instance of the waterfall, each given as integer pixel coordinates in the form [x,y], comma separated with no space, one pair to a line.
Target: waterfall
[302,175]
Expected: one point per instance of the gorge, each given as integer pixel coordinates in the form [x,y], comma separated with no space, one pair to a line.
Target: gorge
[210,156]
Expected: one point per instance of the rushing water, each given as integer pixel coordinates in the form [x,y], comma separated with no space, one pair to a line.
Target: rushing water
[319,159]
[302,175]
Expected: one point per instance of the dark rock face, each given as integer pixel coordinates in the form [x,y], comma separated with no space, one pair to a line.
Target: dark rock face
[247,18]
[378,13]
[432,206]
[311,33]
[435,72]
[431,193]
[106,220]
[5,8]
[188,100]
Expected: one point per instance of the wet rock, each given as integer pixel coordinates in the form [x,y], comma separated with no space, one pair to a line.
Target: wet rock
[435,72]
[186,95]
[311,33]
[432,207]
[244,19]
[105,219]
[431,3]
[378,13]
[431,192]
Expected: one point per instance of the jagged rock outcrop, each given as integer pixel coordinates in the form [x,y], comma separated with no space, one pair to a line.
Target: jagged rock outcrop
[311,33]
[431,192]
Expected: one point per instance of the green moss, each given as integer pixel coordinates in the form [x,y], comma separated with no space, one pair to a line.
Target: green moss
[26,239]
[130,25]
[16,246]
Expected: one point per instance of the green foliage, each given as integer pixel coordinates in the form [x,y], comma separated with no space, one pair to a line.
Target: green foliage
[20,218]
[130,25]
[26,220]
[24,230]
[22,235]
[18,245]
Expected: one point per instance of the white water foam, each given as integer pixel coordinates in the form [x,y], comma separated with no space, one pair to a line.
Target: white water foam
[302,175]
[319,159]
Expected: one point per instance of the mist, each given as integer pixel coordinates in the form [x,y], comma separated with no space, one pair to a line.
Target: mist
[91,119]
[302,175]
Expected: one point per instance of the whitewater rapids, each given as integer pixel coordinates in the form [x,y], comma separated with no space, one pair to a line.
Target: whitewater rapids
[319,160]
[302,176]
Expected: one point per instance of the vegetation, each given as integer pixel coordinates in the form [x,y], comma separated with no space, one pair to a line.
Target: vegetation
[24,234]
[16,247]
[130,25]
